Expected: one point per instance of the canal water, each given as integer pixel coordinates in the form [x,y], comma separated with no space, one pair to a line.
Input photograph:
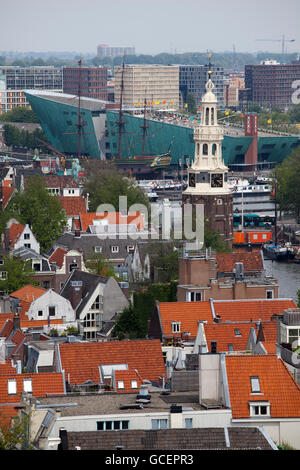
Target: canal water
[288,276]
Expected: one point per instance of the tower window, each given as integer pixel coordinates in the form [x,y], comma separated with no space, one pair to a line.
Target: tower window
[205,149]
[212,116]
[207,116]
[214,149]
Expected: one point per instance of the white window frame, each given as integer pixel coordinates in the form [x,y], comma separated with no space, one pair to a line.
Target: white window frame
[255,384]
[12,387]
[98,249]
[176,326]
[27,385]
[159,423]
[121,385]
[271,291]
[115,249]
[134,384]
[256,408]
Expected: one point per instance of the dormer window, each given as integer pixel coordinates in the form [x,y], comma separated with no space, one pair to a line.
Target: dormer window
[176,327]
[259,408]
[115,249]
[237,332]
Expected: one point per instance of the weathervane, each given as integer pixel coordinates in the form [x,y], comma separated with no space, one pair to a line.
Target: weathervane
[209,65]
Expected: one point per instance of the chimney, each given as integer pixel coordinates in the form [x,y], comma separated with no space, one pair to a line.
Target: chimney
[239,271]
[16,322]
[76,293]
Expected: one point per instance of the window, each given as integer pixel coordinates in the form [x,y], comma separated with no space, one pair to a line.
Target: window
[255,385]
[96,304]
[3,274]
[237,332]
[188,423]
[159,423]
[98,249]
[115,249]
[12,387]
[120,384]
[270,294]
[27,245]
[37,266]
[205,149]
[175,327]
[51,311]
[134,384]
[112,425]
[259,409]
[193,296]
[26,236]
[73,266]
[230,347]
[40,313]
[27,385]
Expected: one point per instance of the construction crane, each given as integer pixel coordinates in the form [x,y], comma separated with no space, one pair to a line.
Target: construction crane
[283,41]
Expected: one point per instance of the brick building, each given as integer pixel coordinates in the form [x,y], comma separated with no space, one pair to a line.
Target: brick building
[270,84]
[93,81]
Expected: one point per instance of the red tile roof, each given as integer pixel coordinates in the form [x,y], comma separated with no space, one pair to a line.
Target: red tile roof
[247,310]
[15,231]
[60,181]
[113,218]
[73,205]
[145,356]
[252,261]
[28,293]
[42,384]
[276,384]
[58,256]
[237,334]
[187,313]
[127,377]
[7,193]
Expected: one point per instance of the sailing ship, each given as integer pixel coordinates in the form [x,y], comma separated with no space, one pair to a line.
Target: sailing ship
[142,163]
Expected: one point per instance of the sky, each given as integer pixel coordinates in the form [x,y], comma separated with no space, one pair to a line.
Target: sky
[151,26]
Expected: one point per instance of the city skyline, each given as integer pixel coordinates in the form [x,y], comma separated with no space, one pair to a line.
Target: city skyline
[162,26]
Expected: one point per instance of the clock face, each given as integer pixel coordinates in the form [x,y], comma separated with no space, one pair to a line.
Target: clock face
[217,180]
[192,180]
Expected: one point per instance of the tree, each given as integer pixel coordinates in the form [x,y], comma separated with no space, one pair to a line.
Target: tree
[19,114]
[19,273]
[133,321]
[14,437]
[191,102]
[287,176]
[105,185]
[41,210]
[98,265]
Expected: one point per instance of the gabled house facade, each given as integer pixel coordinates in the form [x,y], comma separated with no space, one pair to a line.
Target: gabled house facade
[17,236]
[95,299]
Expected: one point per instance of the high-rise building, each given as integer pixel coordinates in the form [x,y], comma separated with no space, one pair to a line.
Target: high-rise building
[193,78]
[208,175]
[104,50]
[15,79]
[92,81]
[157,84]
[270,84]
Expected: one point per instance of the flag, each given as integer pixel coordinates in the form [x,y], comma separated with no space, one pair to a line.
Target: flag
[185,105]
[269,121]
[226,112]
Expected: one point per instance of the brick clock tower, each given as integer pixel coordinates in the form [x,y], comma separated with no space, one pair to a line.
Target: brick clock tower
[208,175]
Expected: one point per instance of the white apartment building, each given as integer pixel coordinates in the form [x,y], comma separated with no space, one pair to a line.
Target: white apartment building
[157,84]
